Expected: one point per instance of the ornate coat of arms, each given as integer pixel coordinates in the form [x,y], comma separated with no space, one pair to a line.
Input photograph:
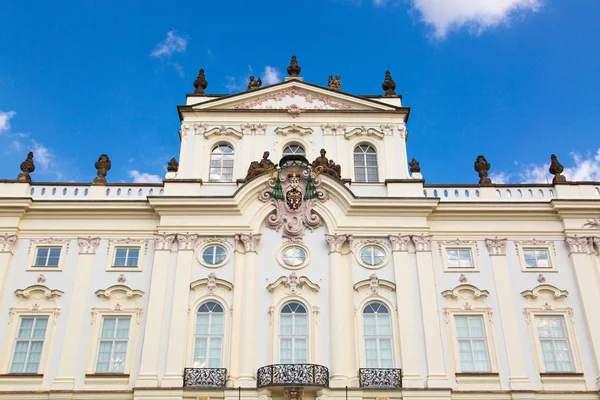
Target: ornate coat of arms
[293,189]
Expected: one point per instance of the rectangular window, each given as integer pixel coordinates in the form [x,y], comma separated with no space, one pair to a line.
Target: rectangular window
[47,257]
[459,258]
[29,345]
[126,256]
[112,349]
[472,344]
[536,258]
[554,343]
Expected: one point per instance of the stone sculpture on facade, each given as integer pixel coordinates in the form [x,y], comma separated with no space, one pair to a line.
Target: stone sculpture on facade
[254,84]
[334,84]
[257,168]
[388,85]
[482,167]
[326,166]
[415,167]
[102,166]
[294,69]
[556,169]
[27,167]
[200,83]
[173,165]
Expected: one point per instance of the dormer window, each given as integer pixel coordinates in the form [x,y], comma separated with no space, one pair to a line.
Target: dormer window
[221,164]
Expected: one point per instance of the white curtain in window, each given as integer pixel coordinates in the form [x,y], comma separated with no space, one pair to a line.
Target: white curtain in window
[293,334]
[554,342]
[112,350]
[378,336]
[208,342]
[472,345]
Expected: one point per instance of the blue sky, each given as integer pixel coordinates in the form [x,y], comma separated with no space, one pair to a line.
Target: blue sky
[515,80]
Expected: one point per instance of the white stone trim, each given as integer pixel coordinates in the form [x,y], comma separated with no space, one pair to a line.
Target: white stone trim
[458,244]
[286,246]
[358,245]
[202,244]
[35,244]
[521,245]
[114,244]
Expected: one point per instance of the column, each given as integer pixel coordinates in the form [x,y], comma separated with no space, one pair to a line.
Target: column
[518,379]
[407,315]
[67,367]
[148,376]
[436,368]
[341,316]
[237,328]
[7,245]
[248,309]
[179,313]
[580,252]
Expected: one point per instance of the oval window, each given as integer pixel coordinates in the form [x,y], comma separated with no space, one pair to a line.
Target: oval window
[294,256]
[372,255]
[214,254]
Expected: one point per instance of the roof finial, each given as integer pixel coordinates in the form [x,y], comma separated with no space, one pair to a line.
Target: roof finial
[482,167]
[556,169]
[294,69]
[388,84]
[27,167]
[102,166]
[200,83]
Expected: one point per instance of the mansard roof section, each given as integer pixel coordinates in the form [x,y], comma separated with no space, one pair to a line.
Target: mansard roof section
[290,96]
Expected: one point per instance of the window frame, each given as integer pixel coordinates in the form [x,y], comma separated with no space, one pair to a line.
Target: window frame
[365,167]
[212,148]
[30,341]
[472,339]
[378,337]
[459,245]
[360,245]
[115,244]
[291,144]
[294,337]
[547,245]
[289,245]
[37,244]
[203,245]
[209,336]
[113,340]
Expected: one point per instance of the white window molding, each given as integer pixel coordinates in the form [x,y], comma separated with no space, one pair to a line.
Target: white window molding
[117,301]
[205,243]
[357,246]
[253,129]
[223,131]
[463,301]
[33,301]
[288,289]
[446,246]
[288,246]
[375,290]
[202,291]
[363,131]
[523,246]
[114,244]
[36,244]
[549,301]
[294,130]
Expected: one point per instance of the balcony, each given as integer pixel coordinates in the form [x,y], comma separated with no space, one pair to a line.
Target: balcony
[380,378]
[204,377]
[292,375]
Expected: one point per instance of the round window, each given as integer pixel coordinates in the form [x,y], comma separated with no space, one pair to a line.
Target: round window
[372,255]
[214,254]
[294,256]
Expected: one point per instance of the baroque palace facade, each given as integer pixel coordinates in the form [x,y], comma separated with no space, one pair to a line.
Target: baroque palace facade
[264,267]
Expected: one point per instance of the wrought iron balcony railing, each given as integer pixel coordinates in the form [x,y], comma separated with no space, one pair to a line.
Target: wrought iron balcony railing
[292,374]
[380,378]
[204,377]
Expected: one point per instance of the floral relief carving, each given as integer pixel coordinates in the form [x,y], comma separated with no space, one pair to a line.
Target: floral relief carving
[333,130]
[596,242]
[253,129]
[534,242]
[459,243]
[293,130]
[119,292]
[7,243]
[364,131]
[315,101]
[212,285]
[293,285]
[142,243]
[163,241]
[465,292]
[50,241]
[403,132]
[212,282]
[214,239]
[422,242]
[593,223]
[355,243]
[545,292]
[399,242]
[496,247]
[577,245]
[38,292]
[41,279]
[223,131]
[335,242]
[88,245]
[387,130]
[249,240]
[187,241]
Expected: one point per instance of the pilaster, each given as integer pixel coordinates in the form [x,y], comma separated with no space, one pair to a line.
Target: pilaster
[436,374]
[148,376]
[518,379]
[179,313]
[237,328]
[67,367]
[7,246]
[249,314]
[407,315]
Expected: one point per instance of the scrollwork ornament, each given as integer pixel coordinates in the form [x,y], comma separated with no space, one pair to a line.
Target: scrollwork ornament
[88,245]
[335,242]
[7,243]
[399,242]
[163,241]
[422,242]
[249,240]
[496,247]
[577,245]
[187,241]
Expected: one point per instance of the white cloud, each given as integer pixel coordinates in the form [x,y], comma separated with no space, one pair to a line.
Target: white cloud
[499,178]
[379,2]
[5,117]
[171,44]
[271,75]
[143,177]
[477,15]
[179,70]
[42,155]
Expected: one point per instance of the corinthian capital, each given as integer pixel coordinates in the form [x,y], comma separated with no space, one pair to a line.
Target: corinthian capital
[422,242]
[335,242]
[399,242]
[187,241]
[7,243]
[496,247]
[163,241]
[88,245]
[577,244]
[249,240]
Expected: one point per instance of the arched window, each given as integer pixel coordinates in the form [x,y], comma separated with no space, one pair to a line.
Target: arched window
[378,336]
[208,342]
[294,149]
[365,164]
[221,164]
[293,334]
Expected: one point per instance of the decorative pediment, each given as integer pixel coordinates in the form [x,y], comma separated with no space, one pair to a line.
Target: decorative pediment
[38,292]
[374,285]
[119,292]
[545,292]
[364,131]
[293,130]
[223,131]
[465,291]
[211,284]
[293,284]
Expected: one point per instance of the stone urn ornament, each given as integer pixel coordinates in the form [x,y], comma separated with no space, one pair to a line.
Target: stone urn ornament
[482,167]
[388,85]
[200,84]
[102,166]
[294,69]
[27,167]
[556,169]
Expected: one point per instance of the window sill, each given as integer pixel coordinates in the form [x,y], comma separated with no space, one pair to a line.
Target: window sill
[124,269]
[21,375]
[534,270]
[561,374]
[469,374]
[107,375]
